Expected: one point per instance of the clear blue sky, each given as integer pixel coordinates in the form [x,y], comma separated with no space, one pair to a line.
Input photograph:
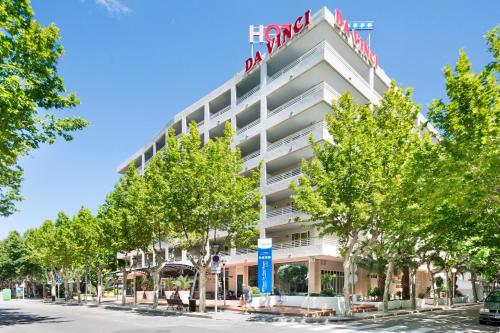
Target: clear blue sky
[135,63]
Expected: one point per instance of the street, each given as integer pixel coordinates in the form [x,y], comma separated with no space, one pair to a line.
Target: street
[35,316]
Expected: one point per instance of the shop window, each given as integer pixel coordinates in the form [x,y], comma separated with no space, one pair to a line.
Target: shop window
[252,276]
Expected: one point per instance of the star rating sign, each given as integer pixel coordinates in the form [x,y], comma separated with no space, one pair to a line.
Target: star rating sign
[361,25]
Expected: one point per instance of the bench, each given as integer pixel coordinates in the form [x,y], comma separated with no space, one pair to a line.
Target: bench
[176,304]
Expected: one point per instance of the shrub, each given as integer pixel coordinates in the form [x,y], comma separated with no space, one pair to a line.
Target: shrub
[327,293]
[292,274]
[314,294]
[183,282]
[421,295]
[439,282]
[255,291]
[374,292]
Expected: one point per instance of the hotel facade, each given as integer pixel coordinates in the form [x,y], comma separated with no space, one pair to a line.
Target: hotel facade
[274,105]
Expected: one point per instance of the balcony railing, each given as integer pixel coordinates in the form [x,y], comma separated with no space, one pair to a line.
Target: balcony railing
[248,126]
[292,244]
[220,112]
[284,175]
[294,137]
[288,210]
[291,65]
[248,94]
[245,251]
[201,123]
[252,155]
[295,100]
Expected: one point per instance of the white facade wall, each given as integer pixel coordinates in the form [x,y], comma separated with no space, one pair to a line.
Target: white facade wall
[274,109]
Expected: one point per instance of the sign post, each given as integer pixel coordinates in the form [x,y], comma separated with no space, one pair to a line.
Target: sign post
[215,271]
[265,265]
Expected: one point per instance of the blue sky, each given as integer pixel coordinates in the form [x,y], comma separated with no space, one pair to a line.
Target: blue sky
[135,63]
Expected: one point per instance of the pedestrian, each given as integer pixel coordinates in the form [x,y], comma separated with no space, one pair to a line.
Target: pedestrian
[245,297]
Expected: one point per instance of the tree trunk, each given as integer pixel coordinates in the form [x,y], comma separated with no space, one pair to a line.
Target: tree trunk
[99,286]
[388,278]
[202,287]
[447,284]
[347,285]
[53,285]
[433,288]
[380,284]
[413,296]
[66,287]
[474,290]
[124,286]
[156,284]
[405,283]
[135,289]
[78,288]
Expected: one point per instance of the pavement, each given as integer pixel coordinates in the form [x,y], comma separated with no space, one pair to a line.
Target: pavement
[36,316]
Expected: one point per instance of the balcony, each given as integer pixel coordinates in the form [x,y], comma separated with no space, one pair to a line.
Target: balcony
[248,94]
[251,156]
[247,127]
[297,136]
[220,112]
[282,216]
[285,175]
[316,49]
[292,249]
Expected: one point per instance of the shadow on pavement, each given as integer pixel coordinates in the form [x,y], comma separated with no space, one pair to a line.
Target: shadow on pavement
[13,316]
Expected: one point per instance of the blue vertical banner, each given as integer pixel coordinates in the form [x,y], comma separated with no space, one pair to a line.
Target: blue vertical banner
[265,265]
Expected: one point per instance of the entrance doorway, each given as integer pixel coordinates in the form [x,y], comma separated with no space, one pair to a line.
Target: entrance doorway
[239,285]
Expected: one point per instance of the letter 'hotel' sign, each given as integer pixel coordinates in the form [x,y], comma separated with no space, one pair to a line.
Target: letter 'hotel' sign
[278,35]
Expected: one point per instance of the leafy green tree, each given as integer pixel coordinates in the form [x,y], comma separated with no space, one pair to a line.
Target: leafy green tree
[40,244]
[338,188]
[13,258]
[85,238]
[66,251]
[29,84]
[212,205]
[156,207]
[465,199]
[293,275]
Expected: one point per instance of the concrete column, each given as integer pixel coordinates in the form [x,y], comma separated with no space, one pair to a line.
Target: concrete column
[131,260]
[232,251]
[263,75]
[154,147]
[207,121]
[184,127]
[233,96]
[143,163]
[313,280]
[184,255]
[166,252]
[143,259]
[154,257]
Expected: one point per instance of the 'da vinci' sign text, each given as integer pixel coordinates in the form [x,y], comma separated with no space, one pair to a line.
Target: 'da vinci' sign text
[278,35]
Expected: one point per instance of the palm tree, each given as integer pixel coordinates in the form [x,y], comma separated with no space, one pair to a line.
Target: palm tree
[183,282]
[375,265]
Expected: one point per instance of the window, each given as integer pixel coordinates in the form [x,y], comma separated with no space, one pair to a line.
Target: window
[337,283]
[398,283]
[300,236]
[373,276]
[252,276]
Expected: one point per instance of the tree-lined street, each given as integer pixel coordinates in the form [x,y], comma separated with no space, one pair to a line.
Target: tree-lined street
[34,316]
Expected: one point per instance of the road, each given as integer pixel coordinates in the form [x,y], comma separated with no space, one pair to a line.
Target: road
[37,317]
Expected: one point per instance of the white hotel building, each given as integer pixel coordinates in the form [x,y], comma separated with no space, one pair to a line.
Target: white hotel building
[274,108]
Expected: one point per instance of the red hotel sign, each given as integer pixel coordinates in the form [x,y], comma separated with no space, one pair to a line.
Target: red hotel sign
[285,32]
[354,39]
